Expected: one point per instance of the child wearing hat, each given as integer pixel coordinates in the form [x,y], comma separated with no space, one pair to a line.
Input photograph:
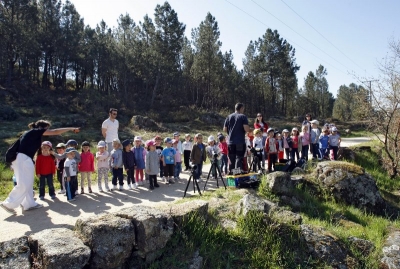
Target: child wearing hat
[128,158]
[86,166]
[116,165]
[71,171]
[187,148]
[258,143]
[168,158]
[60,148]
[315,134]
[223,147]
[334,142]
[287,143]
[271,148]
[102,156]
[45,169]
[178,160]
[152,163]
[296,144]
[179,142]
[159,149]
[198,156]
[211,150]
[140,157]
[323,144]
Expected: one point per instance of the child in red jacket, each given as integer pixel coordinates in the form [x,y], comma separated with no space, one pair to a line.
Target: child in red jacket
[86,166]
[271,148]
[45,169]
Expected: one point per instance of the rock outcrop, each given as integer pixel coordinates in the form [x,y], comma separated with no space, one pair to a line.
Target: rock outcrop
[280,183]
[59,248]
[139,122]
[350,184]
[183,211]
[15,254]
[391,251]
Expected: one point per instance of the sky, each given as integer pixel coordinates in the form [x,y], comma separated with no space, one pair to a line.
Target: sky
[348,37]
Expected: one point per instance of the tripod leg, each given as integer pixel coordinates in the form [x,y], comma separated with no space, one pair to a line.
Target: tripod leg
[187,185]
[208,176]
[220,176]
[197,184]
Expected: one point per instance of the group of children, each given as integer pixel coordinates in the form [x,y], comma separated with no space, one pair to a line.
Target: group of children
[296,145]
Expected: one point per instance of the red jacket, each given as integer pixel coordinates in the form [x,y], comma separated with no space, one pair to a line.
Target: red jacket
[223,146]
[45,165]
[87,162]
[258,126]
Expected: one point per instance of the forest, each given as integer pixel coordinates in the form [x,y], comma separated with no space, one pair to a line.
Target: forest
[150,64]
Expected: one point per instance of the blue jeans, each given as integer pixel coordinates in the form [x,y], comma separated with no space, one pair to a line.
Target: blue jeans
[293,152]
[315,150]
[178,169]
[324,152]
[304,152]
[42,185]
[198,171]
[224,164]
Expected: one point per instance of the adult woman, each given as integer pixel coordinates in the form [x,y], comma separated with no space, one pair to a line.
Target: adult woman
[259,123]
[24,168]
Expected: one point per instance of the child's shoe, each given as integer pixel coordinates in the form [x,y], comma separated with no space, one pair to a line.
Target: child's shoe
[82,191]
[53,197]
[151,187]
[90,190]
[171,180]
[114,188]
[164,180]
[101,190]
[176,179]
[129,186]
[121,187]
[41,197]
[61,192]
[76,192]
[135,185]
[156,185]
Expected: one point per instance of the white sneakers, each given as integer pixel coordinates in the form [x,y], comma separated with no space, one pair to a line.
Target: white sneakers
[129,187]
[121,187]
[114,188]
[61,192]
[135,185]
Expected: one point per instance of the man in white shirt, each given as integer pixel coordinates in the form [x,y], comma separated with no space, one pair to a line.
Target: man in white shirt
[109,128]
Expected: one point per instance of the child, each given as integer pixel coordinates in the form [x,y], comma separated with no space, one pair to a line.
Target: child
[198,156]
[223,146]
[178,160]
[315,134]
[179,145]
[287,143]
[168,158]
[280,146]
[86,166]
[45,169]
[324,144]
[334,142]
[258,143]
[71,170]
[305,142]
[159,150]
[128,159]
[116,165]
[70,143]
[140,157]
[271,148]
[296,144]
[152,163]
[245,165]
[102,165]
[187,147]
[60,148]
[212,149]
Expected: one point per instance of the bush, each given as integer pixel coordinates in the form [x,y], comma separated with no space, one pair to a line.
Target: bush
[8,113]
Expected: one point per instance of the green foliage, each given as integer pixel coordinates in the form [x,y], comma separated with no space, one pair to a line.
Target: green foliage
[6,183]
[8,113]
[351,103]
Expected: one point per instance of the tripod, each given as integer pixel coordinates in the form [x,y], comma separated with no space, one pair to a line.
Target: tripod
[215,164]
[194,182]
[255,162]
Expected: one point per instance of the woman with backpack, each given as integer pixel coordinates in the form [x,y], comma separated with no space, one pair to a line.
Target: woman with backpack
[24,167]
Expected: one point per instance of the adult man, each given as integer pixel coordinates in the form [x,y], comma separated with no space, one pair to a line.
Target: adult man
[236,126]
[109,128]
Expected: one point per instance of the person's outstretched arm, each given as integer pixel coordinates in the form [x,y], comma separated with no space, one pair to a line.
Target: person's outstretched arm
[59,131]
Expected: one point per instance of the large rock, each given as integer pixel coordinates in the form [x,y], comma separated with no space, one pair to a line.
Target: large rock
[365,247]
[346,154]
[111,239]
[350,184]
[280,183]
[139,122]
[181,212]
[324,247]
[391,251]
[153,229]
[59,248]
[15,253]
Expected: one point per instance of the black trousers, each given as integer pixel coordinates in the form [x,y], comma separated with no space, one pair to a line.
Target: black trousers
[186,156]
[130,175]
[153,180]
[236,154]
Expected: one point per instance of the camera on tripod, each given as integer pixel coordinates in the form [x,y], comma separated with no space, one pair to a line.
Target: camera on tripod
[214,154]
[193,166]
[255,151]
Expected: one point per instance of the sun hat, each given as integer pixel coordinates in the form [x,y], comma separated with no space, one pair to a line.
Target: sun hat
[315,122]
[138,138]
[47,143]
[167,140]
[60,145]
[285,131]
[270,130]
[116,140]
[334,129]
[211,138]
[101,144]
[72,142]
[70,149]
[85,144]
[176,134]
[150,143]
[295,129]
[126,143]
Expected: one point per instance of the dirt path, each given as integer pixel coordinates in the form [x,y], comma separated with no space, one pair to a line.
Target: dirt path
[59,213]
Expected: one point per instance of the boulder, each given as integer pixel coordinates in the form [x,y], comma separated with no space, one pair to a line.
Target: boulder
[298,171]
[280,215]
[391,251]
[253,203]
[180,212]
[139,122]
[350,184]
[15,253]
[59,248]
[280,183]
[153,229]
[197,261]
[346,154]
[291,201]
[111,239]
[324,247]
[365,247]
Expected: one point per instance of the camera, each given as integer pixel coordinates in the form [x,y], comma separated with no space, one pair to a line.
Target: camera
[255,151]
[215,155]
[193,166]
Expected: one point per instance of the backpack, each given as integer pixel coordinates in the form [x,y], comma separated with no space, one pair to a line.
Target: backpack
[301,163]
[12,151]
[289,166]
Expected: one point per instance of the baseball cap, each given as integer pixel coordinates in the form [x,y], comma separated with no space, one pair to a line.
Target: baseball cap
[126,143]
[167,140]
[138,138]
[47,143]
[285,131]
[211,138]
[315,122]
[72,142]
[60,145]
[70,149]
[150,143]
[85,144]
[176,134]
[334,129]
[101,144]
